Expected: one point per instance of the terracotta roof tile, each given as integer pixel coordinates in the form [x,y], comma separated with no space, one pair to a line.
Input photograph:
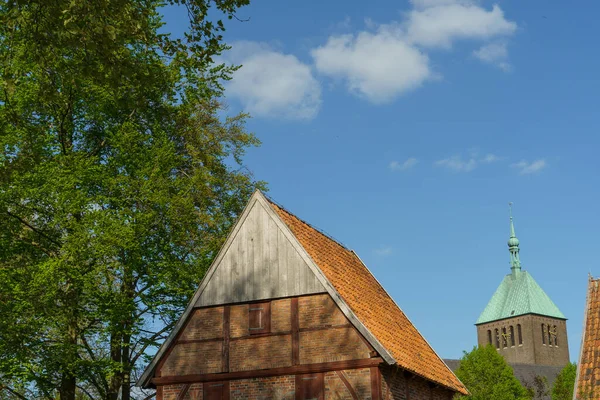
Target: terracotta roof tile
[371,303]
[588,371]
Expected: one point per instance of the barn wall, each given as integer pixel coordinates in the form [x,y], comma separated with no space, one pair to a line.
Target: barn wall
[324,335]
[398,385]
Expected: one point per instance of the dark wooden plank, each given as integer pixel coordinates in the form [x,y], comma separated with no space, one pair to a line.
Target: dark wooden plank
[310,386]
[347,384]
[294,370]
[375,384]
[159,393]
[325,327]
[260,335]
[226,394]
[226,328]
[213,390]
[295,332]
[187,341]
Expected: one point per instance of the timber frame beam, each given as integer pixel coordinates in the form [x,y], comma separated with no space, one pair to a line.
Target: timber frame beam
[294,370]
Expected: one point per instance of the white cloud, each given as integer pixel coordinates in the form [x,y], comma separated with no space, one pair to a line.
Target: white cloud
[386,60]
[490,158]
[526,167]
[442,24]
[459,164]
[408,164]
[495,54]
[456,163]
[384,251]
[272,84]
[378,66]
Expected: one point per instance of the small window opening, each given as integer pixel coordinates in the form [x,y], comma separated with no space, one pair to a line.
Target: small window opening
[504,341]
[497,338]
[549,336]
[519,333]
[512,336]
[489,336]
[259,318]
[543,334]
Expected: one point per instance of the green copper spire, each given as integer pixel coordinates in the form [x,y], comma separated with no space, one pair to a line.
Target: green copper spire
[519,293]
[513,246]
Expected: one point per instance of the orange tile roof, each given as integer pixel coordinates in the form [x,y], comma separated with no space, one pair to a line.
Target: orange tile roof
[371,303]
[588,370]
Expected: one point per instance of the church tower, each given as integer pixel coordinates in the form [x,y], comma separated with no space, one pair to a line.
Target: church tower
[521,321]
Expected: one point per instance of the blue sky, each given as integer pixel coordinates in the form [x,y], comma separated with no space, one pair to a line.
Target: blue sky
[403,129]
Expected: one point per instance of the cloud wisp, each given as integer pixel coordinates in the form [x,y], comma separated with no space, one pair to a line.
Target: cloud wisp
[403,166]
[526,167]
[383,251]
[457,163]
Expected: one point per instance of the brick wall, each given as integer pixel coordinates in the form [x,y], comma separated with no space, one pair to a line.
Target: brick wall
[194,358]
[332,345]
[319,311]
[206,323]
[358,379]
[272,388]
[281,317]
[260,353]
[396,385]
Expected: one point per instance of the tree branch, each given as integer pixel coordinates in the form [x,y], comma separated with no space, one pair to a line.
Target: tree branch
[14,392]
[27,224]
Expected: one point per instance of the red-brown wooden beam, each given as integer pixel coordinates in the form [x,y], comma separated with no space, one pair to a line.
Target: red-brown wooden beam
[295,332]
[226,328]
[297,369]
[348,385]
[375,383]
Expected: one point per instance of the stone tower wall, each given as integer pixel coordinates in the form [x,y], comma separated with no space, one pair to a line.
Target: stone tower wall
[532,349]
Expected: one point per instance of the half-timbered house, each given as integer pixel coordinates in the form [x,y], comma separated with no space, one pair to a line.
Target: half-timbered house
[286,312]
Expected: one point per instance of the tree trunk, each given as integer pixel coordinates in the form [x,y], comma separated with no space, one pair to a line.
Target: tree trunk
[115,354]
[68,382]
[125,385]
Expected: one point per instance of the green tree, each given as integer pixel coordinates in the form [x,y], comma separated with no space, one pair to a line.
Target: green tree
[118,183]
[565,383]
[487,376]
[537,387]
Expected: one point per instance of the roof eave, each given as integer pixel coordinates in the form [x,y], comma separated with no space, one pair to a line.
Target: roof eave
[520,315]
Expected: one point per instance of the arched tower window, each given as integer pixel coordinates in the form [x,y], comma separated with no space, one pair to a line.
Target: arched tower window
[543,334]
[555,336]
[489,336]
[497,338]
[504,341]
[519,333]
[549,336]
[512,335]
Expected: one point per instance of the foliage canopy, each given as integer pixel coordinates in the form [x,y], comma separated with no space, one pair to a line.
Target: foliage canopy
[118,182]
[487,376]
[564,385]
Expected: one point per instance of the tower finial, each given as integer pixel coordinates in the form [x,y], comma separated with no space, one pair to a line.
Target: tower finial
[513,245]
